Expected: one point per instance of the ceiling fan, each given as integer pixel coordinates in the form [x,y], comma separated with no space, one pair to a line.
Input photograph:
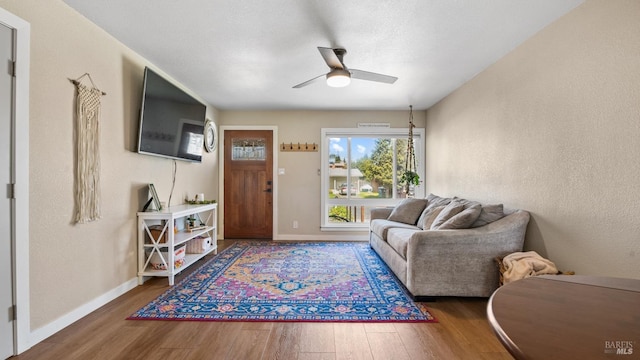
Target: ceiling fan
[340,75]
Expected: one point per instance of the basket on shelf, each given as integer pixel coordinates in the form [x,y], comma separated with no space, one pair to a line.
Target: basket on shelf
[155,231]
[178,258]
[199,245]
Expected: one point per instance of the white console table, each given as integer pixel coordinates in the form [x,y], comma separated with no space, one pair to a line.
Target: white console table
[173,221]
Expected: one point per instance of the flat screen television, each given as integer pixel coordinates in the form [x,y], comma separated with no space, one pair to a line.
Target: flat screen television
[171,121]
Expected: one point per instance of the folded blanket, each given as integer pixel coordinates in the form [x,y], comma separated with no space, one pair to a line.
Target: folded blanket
[521,265]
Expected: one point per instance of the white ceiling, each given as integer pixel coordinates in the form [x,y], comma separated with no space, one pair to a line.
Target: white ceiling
[247,54]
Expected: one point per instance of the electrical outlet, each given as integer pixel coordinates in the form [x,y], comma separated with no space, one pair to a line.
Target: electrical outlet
[295,224]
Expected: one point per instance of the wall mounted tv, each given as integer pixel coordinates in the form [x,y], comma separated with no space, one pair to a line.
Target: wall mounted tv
[171,121]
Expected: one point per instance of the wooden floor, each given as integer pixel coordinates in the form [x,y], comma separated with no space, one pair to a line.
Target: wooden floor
[462,333]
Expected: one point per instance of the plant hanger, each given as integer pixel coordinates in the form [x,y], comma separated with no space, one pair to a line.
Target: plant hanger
[410,175]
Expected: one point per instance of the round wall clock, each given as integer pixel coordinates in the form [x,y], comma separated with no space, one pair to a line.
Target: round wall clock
[210,136]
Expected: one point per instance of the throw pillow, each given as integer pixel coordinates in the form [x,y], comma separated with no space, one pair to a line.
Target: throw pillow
[437,200]
[465,202]
[408,211]
[463,219]
[447,213]
[489,214]
[432,202]
[429,217]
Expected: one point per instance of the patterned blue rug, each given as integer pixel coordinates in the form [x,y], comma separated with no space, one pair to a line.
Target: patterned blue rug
[275,281]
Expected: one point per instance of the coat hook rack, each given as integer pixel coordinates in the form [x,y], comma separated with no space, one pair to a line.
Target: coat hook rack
[299,147]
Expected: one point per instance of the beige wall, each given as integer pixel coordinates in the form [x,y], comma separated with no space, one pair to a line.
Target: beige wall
[554,128]
[299,189]
[70,265]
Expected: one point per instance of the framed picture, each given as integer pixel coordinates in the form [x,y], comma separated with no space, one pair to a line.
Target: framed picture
[154,195]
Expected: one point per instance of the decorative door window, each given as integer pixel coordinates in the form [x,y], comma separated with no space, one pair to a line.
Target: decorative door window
[248,149]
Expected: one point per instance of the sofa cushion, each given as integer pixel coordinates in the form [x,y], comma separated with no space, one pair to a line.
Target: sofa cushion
[432,202]
[408,211]
[429,216]
[489,214]
[381,226]
[398,239]
[463,219]
[447,213]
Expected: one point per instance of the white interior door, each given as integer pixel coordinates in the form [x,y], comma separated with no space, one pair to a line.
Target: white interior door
[6,194]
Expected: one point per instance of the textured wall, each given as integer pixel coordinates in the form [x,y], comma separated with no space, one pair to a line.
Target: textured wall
[554,128]
[71,265]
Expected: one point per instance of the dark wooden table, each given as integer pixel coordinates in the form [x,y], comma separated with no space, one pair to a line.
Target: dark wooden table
[568,317]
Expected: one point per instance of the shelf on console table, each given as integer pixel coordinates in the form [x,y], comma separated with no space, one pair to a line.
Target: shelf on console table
[168,218]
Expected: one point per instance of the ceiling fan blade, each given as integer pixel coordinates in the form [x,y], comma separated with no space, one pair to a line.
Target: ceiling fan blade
[366,75]
[331,58]
[309,82]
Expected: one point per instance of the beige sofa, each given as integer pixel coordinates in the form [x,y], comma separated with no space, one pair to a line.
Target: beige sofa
[449,247]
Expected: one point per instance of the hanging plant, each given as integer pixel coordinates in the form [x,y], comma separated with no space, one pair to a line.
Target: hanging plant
[410,176]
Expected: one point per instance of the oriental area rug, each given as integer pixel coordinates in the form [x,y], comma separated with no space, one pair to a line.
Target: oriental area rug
[274,281]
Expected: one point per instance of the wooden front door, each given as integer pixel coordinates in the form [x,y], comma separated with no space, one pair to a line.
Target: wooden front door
[248,184]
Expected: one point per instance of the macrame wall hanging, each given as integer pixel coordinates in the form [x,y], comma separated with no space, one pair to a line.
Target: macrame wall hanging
[87,174]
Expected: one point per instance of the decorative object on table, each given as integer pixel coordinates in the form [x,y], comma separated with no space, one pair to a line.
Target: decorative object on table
[410,176]
[147,204]
[210,136]
[270,281]
[154,196]
[193,223]
[87,174]
[198,200]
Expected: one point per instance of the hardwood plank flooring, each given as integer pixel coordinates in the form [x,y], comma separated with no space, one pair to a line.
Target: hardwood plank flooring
[463,332]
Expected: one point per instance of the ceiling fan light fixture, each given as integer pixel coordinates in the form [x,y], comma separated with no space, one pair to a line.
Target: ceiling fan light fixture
[338,78]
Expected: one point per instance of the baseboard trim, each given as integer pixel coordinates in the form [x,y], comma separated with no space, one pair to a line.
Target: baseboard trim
[62,322]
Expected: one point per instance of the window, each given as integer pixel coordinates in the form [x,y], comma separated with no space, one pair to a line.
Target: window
[361,169]
[248,149]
